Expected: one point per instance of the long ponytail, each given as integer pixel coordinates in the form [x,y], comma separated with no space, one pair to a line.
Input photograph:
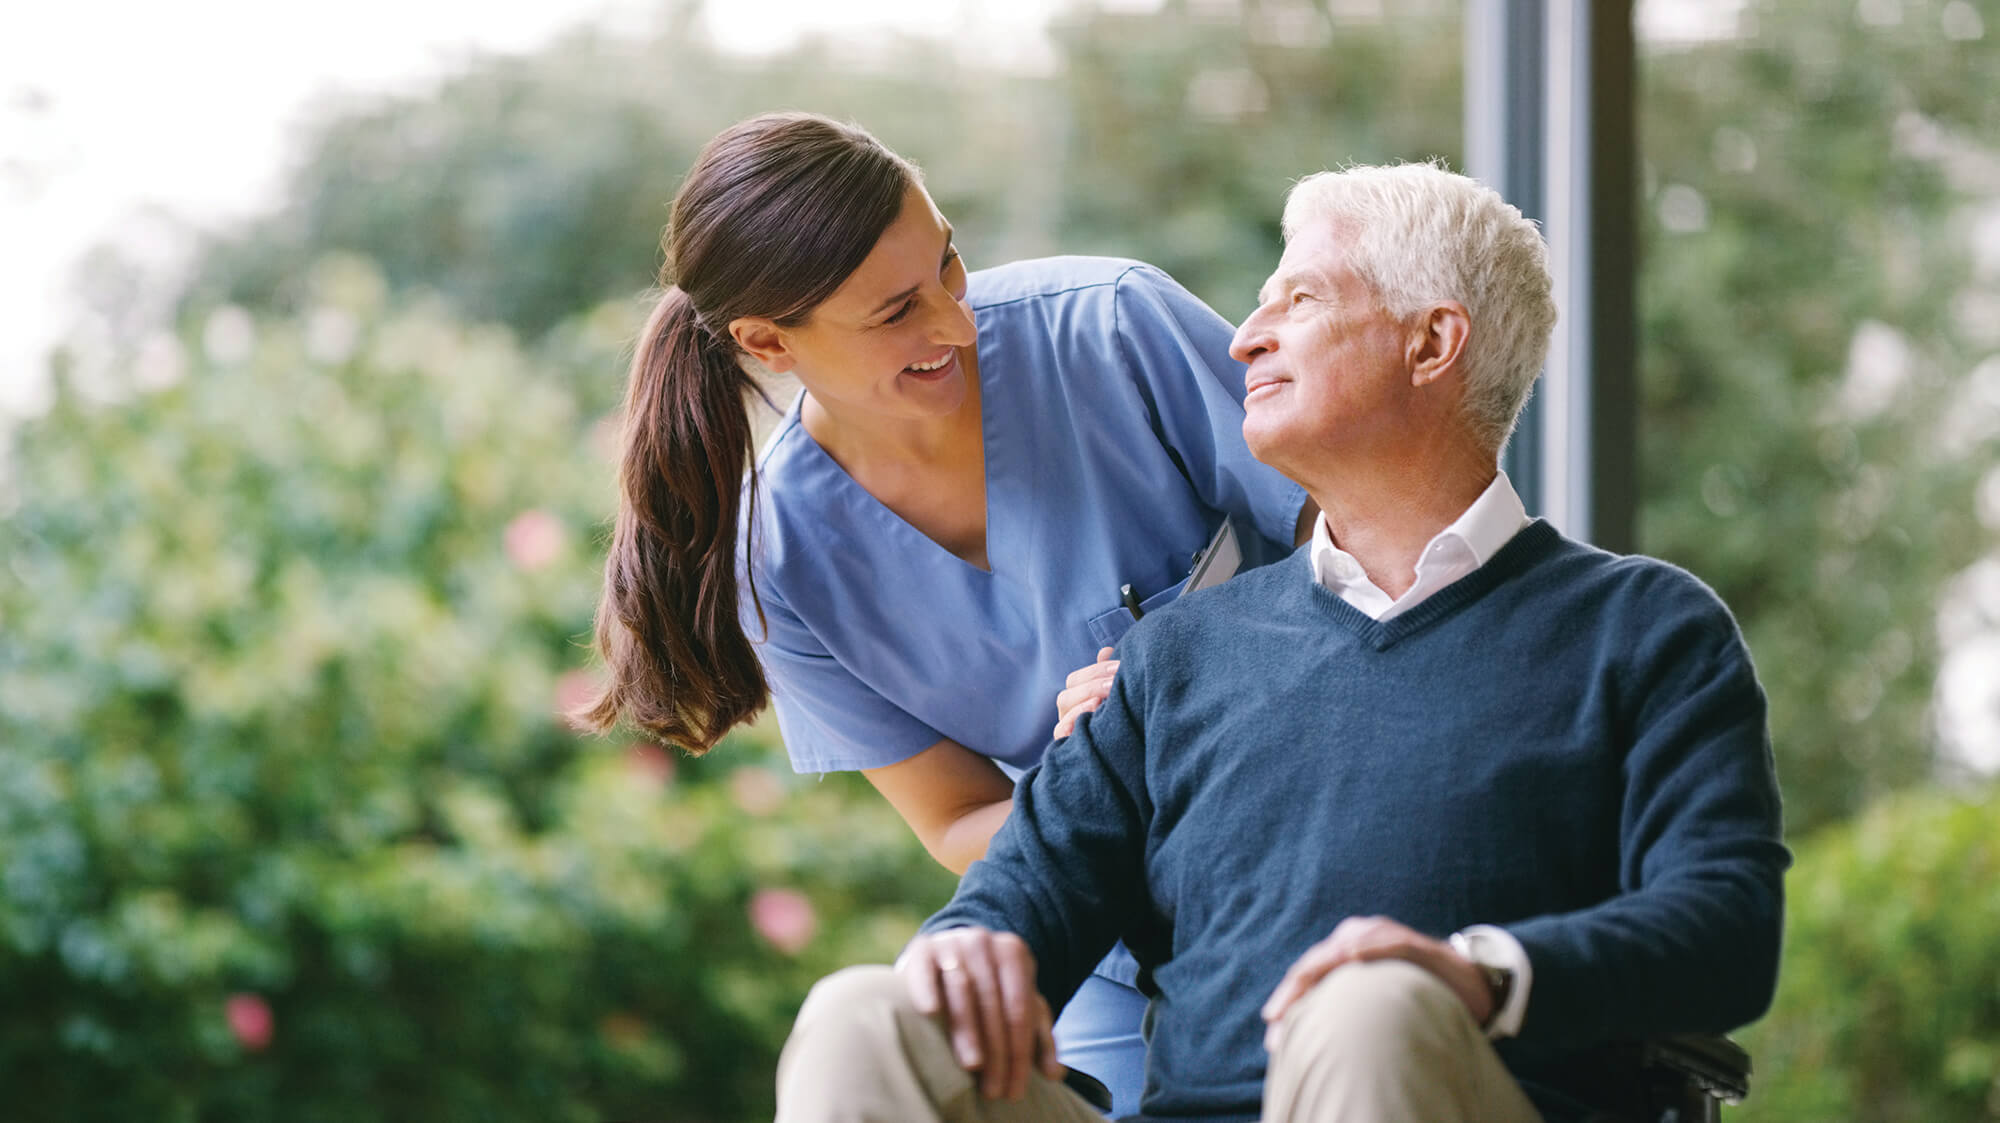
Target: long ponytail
[670,593]
[774,215]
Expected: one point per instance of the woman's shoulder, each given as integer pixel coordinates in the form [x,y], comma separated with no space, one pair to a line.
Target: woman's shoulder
[1045,278]
[785,442]
[791,479]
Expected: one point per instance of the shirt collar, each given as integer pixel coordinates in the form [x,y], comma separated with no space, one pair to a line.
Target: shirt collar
[1490,523]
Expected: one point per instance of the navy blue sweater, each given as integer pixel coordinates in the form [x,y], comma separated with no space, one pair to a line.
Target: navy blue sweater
[1567,743]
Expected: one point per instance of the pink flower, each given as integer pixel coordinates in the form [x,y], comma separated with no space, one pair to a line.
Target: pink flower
[784,918]
[575,689]
[757,791]
[249,1018]
[649,764]
[534,539]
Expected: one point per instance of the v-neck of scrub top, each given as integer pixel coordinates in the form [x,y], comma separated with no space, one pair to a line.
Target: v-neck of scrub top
[885,514]
[999,528]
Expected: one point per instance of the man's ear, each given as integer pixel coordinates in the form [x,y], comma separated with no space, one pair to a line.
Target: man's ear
[1437,342]
[765,340]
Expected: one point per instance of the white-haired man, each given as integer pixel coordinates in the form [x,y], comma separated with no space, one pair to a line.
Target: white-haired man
[1418,826]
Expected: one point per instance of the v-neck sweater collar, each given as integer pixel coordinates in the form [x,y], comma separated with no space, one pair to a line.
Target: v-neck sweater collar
[1524,550]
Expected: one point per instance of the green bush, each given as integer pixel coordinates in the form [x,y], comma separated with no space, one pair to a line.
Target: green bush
[1888,1005]
[290,829]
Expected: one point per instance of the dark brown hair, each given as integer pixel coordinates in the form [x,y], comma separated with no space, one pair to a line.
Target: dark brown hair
[774,215]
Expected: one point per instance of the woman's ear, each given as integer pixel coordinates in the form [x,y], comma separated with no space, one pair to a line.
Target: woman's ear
[765,341]
[1438,343]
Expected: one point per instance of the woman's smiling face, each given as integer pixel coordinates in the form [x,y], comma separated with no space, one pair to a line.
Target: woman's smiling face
[887,342]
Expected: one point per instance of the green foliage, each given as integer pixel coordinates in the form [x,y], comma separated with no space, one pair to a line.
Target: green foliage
[284,643]
[526,190]
[1889,1003]
[1187,126]
[1805,183]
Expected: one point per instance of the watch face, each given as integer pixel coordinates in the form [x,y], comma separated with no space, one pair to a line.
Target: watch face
[1500,982]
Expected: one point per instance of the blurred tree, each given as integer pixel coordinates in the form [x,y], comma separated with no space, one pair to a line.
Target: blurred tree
[290,829]
[1186,125]
[1889,1006]
[525,190]
[1810,308]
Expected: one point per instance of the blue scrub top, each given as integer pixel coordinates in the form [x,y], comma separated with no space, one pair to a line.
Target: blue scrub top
[1113,418]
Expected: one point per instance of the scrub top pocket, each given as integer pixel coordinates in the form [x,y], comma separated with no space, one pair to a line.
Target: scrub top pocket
[1109,627]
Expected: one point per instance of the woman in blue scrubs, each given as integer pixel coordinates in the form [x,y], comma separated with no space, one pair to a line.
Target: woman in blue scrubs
[947,521]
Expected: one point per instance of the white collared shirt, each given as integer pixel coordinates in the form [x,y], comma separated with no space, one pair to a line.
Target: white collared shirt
[1468,543]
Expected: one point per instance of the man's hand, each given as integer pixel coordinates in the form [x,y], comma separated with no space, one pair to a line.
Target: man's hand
[1359,939]
[1084,690]
[984,983]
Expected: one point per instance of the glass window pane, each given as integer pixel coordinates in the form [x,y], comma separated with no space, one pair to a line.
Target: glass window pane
[1820,314]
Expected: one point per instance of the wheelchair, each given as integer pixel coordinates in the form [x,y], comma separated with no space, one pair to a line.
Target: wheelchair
[1687,1078]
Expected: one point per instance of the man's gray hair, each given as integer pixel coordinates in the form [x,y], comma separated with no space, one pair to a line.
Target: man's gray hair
[1419,234]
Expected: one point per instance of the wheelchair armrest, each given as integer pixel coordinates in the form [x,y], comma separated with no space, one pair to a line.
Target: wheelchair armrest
[1090,1088]
[1715,1064]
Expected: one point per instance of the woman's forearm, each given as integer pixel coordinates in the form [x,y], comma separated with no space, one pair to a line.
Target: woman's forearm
[953,798]
[965,839]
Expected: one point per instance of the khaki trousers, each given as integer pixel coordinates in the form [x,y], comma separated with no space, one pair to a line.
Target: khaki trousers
[1379,1042]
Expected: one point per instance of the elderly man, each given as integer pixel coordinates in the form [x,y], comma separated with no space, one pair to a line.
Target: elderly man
[1417,826]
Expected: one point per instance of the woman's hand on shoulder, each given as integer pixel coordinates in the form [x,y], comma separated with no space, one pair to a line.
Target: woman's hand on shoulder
[1084,691]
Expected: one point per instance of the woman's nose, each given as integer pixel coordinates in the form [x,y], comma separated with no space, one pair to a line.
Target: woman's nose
[952,323]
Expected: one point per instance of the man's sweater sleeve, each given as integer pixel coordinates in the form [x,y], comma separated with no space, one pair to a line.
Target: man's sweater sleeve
[1066,872]
[1691,942]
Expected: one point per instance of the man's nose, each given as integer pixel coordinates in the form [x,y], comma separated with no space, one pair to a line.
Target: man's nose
[1250,340]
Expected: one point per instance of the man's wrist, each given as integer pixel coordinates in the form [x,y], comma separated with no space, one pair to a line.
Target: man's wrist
[1503,964]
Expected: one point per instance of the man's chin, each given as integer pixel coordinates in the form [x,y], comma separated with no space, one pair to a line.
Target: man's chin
[1272,444]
